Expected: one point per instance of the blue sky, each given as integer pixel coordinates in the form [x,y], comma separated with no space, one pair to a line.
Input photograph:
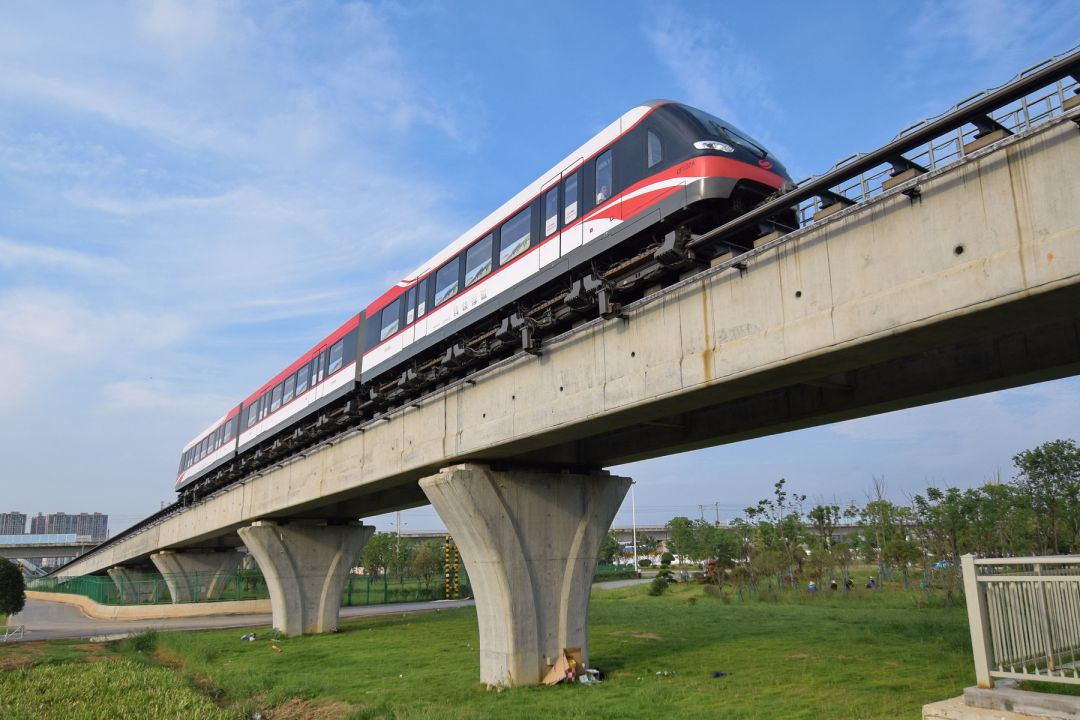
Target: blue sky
[190,193]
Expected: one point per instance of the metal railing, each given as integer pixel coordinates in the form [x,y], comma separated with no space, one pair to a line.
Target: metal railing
[1024,616]
[13,633]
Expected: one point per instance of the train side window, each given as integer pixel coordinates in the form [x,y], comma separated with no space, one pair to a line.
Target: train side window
[551,211]
[229,427]
[516,236]
[421,298]
[478,261]
[252,414]
[275,399]
[336,352]
[570,199]
[302,379]
[290,389]
[410,305]
[603,177]
[391,319]
[446,282]
[655,149]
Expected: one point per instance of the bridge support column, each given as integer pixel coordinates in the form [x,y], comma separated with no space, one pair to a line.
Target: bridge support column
[529,540]
[196,575]
[305,564]
[133,591]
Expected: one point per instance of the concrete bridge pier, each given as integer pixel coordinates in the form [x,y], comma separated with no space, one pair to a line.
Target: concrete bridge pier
[196,575]
[529,539]
[133,591]
[305,564]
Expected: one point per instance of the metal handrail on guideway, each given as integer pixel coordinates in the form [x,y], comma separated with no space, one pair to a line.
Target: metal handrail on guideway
[1009,108]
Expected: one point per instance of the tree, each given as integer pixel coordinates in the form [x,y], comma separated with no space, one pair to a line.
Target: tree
[610,549]
[378,554]
[427,562]
[1050,476]
[12,588]
[779,527]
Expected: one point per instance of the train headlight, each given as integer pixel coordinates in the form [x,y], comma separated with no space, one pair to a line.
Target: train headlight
[714,145]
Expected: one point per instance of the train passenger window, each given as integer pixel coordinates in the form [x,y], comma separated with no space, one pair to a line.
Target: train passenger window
[391,320]
[229,427]
[551,211]
[446,282]
[252,414]
[336,352]
[478,261]
[656,151]
[516,236]
[603,177]
[290,389]
[410,305]
[275,399]
[421,298]
[302,379]
[570,199]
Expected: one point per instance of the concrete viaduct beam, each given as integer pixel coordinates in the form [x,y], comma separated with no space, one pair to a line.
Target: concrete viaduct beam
[194,576]
[529,540]
[305,564]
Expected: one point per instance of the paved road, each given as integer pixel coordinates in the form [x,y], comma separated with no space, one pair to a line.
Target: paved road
[46,620]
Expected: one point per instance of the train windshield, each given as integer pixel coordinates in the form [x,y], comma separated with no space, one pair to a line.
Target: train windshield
[723,130]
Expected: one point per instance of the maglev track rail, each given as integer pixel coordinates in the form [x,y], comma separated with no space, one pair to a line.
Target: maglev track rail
[680,248]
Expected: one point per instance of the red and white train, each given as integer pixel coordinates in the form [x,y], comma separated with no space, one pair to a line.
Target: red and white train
[662,166]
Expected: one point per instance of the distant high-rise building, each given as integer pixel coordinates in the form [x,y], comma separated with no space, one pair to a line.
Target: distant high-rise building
[37,524]
[12,523]
[94,525]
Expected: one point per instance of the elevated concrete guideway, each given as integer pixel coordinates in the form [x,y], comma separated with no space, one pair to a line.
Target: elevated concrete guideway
[45,550]
[973,286]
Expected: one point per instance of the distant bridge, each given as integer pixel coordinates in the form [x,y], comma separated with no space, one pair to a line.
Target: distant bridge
[44,546]
[936,281]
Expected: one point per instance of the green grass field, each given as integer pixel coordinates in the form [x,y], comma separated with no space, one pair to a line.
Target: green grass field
[867,655]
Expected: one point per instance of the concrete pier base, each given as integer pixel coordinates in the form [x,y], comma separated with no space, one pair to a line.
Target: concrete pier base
[194,576]
[132,590]
[305,564]
[529,540]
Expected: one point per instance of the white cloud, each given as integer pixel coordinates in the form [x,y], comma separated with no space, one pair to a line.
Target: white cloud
[15,255]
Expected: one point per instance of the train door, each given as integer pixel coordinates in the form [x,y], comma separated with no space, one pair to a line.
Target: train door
[550,212]
[571,188]
[318,372]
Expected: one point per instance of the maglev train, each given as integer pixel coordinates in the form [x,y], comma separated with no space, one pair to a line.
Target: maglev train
[613,215]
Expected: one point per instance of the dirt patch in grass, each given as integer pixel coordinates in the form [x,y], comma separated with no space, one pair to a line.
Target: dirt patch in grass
[20,656]
[800,656]
[297,709]
[639,635]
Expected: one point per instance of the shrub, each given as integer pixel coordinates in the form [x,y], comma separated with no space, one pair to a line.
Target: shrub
[658,586]
[12,588]
[644,562]
[667,558]
[140,643]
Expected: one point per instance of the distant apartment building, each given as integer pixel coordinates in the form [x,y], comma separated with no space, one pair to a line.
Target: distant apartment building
[37,524]
[12,523]
[92,525]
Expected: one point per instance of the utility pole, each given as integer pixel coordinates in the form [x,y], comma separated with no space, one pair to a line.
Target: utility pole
[717,506]
[701,509]
[633,516]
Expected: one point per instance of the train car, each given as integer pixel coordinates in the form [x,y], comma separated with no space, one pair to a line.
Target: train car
[659,160]
[662,169]
[328,371]
[210,449]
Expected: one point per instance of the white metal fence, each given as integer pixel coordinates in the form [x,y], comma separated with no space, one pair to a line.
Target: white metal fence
[1024,615]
